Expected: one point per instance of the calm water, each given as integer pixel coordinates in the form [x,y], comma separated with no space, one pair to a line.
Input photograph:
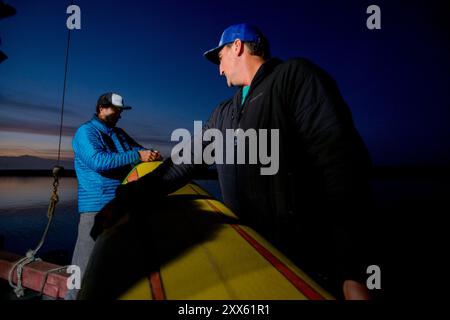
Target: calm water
[23,207]
[23,212]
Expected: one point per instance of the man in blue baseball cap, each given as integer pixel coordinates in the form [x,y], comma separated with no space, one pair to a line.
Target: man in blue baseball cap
[320,138]
[314,208]
[240,61]
[244,31]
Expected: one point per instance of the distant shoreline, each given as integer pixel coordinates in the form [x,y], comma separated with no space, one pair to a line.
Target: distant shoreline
[439,172]
[205,175]
[35,173]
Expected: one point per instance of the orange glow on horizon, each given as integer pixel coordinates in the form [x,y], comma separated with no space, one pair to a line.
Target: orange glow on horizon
[45,154]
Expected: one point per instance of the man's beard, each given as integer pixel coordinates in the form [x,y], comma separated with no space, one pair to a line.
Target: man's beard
[111,120]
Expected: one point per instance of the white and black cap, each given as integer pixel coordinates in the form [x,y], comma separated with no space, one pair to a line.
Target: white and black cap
[114,99]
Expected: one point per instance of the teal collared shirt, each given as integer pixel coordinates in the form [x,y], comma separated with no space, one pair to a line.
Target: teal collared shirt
[244,93]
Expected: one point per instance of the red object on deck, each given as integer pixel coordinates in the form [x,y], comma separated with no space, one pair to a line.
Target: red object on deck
[33,275]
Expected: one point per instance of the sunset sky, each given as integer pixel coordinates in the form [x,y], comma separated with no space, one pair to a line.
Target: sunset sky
[395,80]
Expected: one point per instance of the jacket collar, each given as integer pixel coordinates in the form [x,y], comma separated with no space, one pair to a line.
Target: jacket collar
[100,125]
[263,71]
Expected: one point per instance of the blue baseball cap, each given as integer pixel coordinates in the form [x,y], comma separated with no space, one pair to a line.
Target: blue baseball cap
[243,31]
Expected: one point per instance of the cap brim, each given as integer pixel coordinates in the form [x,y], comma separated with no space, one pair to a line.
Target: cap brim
[3,56]
[125,108]
[213,55]
[6,10]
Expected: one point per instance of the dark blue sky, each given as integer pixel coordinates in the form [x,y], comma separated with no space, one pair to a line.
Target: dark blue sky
[395,80]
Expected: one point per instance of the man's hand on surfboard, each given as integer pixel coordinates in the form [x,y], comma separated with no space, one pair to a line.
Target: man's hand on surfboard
[105,218]
[114,210]
[128,199]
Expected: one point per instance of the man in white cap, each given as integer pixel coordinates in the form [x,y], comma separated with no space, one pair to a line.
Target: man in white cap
[104,154]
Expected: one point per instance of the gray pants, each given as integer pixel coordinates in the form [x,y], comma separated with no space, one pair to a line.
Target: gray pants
[83,247]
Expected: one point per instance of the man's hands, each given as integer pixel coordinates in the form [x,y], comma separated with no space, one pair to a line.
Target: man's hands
[149,155]
[355,291]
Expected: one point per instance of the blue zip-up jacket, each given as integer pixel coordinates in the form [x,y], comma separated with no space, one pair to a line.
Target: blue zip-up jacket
[103,157]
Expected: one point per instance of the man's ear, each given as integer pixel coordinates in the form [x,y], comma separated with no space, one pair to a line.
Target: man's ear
[100,109]
[238,47]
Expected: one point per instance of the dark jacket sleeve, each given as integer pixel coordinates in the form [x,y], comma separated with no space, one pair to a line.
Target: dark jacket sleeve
[169,177]
[325,129]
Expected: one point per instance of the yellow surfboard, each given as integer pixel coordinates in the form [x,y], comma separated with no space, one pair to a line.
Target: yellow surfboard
[237,263]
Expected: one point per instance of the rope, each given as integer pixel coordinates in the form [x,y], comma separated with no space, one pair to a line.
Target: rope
[64,94]
[18,289]
[31,254]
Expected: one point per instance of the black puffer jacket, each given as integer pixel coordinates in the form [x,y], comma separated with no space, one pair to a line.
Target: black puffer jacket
[312,208]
